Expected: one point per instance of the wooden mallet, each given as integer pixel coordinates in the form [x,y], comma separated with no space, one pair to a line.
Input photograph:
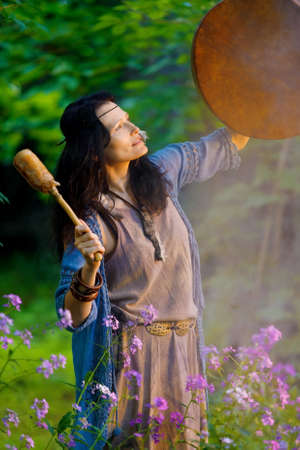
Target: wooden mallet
[39,178]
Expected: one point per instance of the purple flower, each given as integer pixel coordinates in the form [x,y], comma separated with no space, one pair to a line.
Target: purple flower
[130,374]
[177,418]
[12,447]
[149,314]
[29,443]
[136,343]
[5,323]
[13,300]
[267,418]
[158,419]
[25,336]
[214,363]
[267,337]
[61,438]
[65,318]
[272,445]
[209,349]
[160,403]
[71,442]
[283,370]
[11,417]
[5,341]
[76,407]
[195,382]
[126,359]
[156,436]
[41,408]
[229,350]
[111,321]
[58,361]
[138,435]
[138,419]
[45,368]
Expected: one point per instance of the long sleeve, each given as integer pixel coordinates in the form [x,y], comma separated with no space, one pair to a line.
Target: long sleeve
[187,162]
[71,262]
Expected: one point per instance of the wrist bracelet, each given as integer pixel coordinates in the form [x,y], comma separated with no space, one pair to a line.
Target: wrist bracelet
[90,293]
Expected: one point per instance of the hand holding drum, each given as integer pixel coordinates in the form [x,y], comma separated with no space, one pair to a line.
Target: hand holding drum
[39,178]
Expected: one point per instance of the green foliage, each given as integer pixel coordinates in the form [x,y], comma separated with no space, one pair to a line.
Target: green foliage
[52,53]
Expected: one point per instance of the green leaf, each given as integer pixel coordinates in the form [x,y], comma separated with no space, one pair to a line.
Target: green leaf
[65,422]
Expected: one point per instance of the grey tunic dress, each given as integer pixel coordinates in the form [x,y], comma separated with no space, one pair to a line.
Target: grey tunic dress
[135,280]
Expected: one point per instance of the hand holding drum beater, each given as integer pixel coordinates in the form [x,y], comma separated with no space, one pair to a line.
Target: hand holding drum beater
[39,178]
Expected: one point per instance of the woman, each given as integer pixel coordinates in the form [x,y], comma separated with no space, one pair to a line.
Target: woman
[132,218]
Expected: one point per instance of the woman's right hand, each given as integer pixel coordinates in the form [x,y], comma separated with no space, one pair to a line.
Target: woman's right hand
[88,244]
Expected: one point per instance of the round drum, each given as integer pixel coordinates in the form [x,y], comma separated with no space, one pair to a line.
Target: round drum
[246,64]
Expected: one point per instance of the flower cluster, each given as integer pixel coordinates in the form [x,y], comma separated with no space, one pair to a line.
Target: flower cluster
[11,417]
[149,314]
[48,366]
[25,336]
[65,318]
[13,300]
[136,344]
[41,409]
[111,321]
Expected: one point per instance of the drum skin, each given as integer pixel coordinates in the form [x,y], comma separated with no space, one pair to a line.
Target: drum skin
[246,65]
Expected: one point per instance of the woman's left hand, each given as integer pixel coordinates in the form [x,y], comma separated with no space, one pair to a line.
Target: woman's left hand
[238,139]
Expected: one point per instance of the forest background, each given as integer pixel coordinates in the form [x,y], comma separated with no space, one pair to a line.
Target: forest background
[245,221]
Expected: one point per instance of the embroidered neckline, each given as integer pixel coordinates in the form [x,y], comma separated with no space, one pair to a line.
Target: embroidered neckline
[148,228]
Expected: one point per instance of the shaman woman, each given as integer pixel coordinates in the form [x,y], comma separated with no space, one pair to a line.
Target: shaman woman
[128,202]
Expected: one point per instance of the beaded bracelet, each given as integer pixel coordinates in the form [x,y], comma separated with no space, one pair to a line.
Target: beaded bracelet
[90,293]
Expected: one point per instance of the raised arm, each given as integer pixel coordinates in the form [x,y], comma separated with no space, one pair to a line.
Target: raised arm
[198,161]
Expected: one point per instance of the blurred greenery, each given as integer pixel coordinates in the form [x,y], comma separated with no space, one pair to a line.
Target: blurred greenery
[245,221]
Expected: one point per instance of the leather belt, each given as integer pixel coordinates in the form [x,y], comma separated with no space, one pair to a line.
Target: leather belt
[163,328]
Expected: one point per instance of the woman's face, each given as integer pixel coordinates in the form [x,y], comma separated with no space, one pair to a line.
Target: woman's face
[125,142]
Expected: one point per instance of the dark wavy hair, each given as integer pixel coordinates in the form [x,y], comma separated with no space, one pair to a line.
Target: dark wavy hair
[82,175]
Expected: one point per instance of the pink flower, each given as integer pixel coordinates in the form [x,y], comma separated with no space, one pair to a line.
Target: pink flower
[195,382]
[214,363]
[136,343]
[160,403]
[149,314]
[254,377]
[177,418]
[126,359]
[229,350]
[272,445]
[259,433]
[13,300]
[267,337]
[267,418]
[29,443]
[65,318]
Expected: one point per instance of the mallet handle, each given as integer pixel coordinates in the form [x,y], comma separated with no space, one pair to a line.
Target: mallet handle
[70,212]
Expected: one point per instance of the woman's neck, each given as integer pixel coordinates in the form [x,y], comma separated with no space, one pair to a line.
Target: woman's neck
[117,176]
